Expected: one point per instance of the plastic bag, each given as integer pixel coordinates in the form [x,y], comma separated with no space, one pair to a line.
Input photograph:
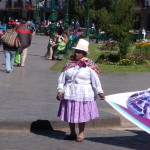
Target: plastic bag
[61,46]
[17,58]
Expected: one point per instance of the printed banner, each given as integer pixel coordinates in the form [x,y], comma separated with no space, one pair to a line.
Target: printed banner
[135,106]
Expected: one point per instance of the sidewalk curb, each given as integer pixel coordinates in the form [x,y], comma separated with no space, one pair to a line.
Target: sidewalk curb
[110,121]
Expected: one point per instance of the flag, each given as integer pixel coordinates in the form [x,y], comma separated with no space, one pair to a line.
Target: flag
[135,106]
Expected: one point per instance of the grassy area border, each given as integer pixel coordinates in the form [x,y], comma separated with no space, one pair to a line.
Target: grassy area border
[95,52]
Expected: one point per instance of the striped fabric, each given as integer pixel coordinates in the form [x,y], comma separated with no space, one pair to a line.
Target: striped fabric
[82,63]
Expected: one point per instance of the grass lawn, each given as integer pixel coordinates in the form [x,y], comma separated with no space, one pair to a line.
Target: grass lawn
[94,54]
[123,69]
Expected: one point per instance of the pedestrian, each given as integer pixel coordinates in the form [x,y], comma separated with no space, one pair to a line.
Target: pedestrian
[78,87]
[9,51]
[1,33]
[12,21]
[77,24]
[65,36]
[79,32]
[25,37]
[62,45]
[71,35]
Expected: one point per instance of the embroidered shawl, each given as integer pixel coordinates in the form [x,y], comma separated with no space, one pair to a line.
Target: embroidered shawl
[82,63]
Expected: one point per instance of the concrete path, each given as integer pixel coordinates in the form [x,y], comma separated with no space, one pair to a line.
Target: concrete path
[28,94]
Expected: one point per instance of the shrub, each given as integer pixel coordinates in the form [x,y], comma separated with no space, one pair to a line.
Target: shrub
[125,62]
[142,44]
[138,59]
[143,48]
[133,60]
[110,58]
[109,45]
[113,57]
[145,51]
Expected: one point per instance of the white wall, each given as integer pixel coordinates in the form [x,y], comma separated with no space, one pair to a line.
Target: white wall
[147,1]
[2,4]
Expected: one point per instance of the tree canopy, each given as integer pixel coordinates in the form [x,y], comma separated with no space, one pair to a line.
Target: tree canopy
[115,17]
[117,22]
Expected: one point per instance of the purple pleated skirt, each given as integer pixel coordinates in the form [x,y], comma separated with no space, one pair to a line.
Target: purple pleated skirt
[77,112]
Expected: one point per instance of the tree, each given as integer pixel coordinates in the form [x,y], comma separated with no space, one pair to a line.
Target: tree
[117,21]
[76,10]
[79,11]
[115,17]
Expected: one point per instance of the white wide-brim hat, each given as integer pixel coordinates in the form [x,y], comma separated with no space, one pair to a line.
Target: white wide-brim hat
[82,45]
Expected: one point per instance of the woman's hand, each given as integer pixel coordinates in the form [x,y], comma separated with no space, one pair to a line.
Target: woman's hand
[59,96]
[101,96]
[53,44]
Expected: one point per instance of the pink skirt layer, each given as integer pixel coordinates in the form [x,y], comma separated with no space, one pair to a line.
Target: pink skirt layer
[78,112]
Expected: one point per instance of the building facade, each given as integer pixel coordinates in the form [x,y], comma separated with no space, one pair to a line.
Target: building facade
[26,9]
[142,10]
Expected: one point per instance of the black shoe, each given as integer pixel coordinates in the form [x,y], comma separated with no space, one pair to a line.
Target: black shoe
[8,71]
[18,65]
[71,137]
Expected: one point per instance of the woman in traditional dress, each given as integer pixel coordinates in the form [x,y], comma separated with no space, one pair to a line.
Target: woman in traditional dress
[78,87]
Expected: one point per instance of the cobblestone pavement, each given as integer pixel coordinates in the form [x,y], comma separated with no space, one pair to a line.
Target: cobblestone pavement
[97,139]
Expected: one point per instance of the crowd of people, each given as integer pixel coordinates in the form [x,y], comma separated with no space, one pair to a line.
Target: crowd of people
[59,42]
[24,30]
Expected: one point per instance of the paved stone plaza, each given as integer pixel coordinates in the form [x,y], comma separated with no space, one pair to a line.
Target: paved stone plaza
[96,139]
[28,100]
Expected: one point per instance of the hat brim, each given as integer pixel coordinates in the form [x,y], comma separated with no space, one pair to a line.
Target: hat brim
[79,49]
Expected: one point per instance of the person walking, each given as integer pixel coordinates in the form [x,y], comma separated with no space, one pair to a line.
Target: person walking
[1,32]
[25,37]
[78,87]
[9,51]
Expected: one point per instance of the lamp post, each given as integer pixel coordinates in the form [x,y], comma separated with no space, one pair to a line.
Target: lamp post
[52,18]
[37,13]
[88,20]
[44,9]
[67,16]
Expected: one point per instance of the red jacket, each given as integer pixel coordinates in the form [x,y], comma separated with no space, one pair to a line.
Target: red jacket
[24,35]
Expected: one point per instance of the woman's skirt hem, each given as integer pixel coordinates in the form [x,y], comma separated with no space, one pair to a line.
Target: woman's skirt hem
[78,112]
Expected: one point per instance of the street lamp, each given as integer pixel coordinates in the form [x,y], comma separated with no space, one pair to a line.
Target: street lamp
[88,20]
[37,13]
[52,18]
[67,16]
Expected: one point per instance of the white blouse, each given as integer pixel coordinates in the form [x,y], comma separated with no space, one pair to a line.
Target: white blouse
[79,84]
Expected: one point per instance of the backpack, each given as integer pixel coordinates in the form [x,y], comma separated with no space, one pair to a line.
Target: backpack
[11,39]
